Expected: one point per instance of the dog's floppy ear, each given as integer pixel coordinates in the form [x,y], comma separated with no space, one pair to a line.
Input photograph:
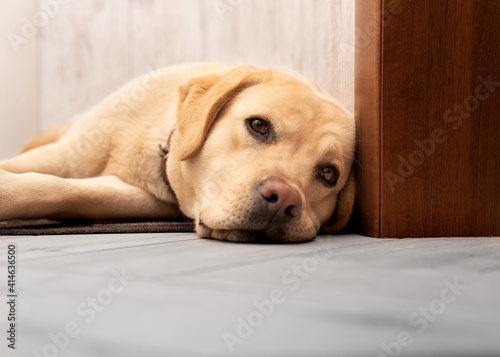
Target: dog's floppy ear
[344,207]
[201,99]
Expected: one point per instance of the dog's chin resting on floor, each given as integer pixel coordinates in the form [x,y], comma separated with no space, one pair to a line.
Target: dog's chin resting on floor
[248,154]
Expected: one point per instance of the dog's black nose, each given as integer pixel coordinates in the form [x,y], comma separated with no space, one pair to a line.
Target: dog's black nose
[280,200]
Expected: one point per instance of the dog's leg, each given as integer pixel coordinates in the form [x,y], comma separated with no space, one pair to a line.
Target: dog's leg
[62,158]
[48,137]
[47,159]
[34,195]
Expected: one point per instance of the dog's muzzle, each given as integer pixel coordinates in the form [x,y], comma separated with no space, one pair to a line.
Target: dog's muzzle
[278,202]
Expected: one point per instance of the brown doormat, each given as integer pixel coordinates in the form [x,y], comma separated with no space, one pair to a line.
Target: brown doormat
[52,227]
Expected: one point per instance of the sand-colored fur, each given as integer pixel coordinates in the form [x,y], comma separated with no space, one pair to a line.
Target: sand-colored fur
[107,165]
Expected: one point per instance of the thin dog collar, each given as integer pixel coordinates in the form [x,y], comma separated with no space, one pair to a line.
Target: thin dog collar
[164,150]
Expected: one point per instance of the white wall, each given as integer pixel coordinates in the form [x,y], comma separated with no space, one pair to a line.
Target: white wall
[18,75]
[88,48]
[92,46]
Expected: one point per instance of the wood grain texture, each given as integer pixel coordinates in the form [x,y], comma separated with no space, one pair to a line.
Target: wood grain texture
[91,47]
[367,112]
[18,76]
[343,295]
[315,38]
[164,33]
[84,55]
[440,155]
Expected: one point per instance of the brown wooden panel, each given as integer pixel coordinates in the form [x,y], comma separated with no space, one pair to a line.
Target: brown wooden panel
[367,112]
[440,148]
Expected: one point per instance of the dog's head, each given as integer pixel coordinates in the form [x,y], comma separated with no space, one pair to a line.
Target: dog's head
[261,154]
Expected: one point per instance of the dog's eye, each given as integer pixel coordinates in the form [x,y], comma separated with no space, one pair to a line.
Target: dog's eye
[329,173]
[258,125]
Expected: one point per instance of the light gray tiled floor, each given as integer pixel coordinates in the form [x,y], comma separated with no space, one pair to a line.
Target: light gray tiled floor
[178,295]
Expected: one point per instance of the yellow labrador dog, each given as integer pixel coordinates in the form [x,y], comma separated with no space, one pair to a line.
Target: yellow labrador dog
[248,154]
